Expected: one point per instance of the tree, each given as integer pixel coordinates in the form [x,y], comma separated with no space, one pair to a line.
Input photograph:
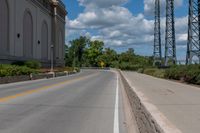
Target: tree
[76,51]
[94,50]
[108,57]
[87,53]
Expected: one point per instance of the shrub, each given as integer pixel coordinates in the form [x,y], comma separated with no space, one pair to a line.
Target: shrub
[160,73]
[198,79]
[175,72]
[33,64]
[189,74]
[129,66]
[141,70]
[150,71]
[192,74]
[12,70]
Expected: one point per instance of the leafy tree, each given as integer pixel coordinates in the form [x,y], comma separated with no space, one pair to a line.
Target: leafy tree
[108,57]
[76,51]
[94,50]
[84,52]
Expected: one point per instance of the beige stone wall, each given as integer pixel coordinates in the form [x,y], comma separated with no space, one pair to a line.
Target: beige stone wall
[39,15]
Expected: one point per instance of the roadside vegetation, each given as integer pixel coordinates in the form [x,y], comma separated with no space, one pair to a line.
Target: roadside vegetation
[83,52]
[29,67]
[188,74]
[14,70]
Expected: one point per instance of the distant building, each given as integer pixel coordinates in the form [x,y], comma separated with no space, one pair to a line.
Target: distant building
[29,28]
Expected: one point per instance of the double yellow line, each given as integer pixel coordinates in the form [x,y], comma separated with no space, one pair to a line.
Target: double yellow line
[7,98]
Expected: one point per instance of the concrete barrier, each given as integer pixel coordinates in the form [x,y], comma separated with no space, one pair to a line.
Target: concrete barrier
[148,118]
[12,79]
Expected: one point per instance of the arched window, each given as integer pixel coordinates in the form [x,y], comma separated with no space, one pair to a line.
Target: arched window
[44,40]
[4,27]
[28,35]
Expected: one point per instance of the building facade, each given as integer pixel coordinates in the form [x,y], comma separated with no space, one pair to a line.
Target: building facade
[32,30]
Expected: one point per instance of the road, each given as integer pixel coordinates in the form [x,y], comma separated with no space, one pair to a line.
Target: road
[179,102]
[88,102]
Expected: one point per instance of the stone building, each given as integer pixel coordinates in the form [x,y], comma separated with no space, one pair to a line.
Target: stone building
[31,30]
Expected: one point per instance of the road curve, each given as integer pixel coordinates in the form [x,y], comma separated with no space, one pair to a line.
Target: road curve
[82,103]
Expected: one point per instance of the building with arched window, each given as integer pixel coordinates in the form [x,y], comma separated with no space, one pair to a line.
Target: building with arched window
[32,30]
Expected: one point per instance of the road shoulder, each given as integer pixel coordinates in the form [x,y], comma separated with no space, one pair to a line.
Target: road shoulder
[148,117]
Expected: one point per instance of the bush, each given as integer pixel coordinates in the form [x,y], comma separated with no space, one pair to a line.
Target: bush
[141,70]
[192,74]
[189,74]
[33,64]
[129,66]
[198,79]
[12,70]
[150,71]
[160,73]
[175,72]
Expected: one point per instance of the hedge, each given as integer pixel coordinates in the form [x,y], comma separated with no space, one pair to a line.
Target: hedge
[13,70]
[188,74]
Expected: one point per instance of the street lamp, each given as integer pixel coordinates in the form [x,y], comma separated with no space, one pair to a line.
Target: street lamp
[74,61]
[52,47]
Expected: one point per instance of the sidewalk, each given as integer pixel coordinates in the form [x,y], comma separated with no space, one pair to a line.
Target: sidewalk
[179,103]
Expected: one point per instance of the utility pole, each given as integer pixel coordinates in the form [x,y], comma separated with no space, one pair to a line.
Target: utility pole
[74,60]
[52,55]
[170,43]
[157,35]
[193,44]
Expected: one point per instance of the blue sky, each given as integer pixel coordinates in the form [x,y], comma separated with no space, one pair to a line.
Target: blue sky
[122,24]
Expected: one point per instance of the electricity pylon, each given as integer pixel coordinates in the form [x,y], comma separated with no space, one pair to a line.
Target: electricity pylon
[193,44]
[170,43]
[157,35]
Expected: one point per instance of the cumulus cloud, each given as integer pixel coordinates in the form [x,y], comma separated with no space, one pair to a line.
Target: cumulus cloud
[149,6]
[117,26]
[101,3]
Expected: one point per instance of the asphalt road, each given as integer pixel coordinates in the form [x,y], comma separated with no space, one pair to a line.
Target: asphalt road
[89,102]
[179,102]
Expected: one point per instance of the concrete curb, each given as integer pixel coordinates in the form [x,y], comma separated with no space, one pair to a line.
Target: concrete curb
[149,118]
[130,121]
[14,79]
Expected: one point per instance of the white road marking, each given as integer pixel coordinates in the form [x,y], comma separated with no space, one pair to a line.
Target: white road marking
[116,115]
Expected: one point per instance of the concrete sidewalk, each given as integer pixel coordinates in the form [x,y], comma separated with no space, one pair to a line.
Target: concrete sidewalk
[179,103]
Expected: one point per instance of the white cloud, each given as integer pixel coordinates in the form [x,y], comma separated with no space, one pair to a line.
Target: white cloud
[101,3]
[117,26]
[149,6]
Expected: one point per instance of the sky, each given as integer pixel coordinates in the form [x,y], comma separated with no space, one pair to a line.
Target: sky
[124,24]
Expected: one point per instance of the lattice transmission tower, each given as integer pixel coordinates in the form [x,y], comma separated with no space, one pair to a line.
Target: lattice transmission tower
[170,43]
[193,45]
[157,35]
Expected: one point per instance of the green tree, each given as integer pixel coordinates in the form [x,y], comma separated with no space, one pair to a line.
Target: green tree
[108,57]
[93,51]
[76,51]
